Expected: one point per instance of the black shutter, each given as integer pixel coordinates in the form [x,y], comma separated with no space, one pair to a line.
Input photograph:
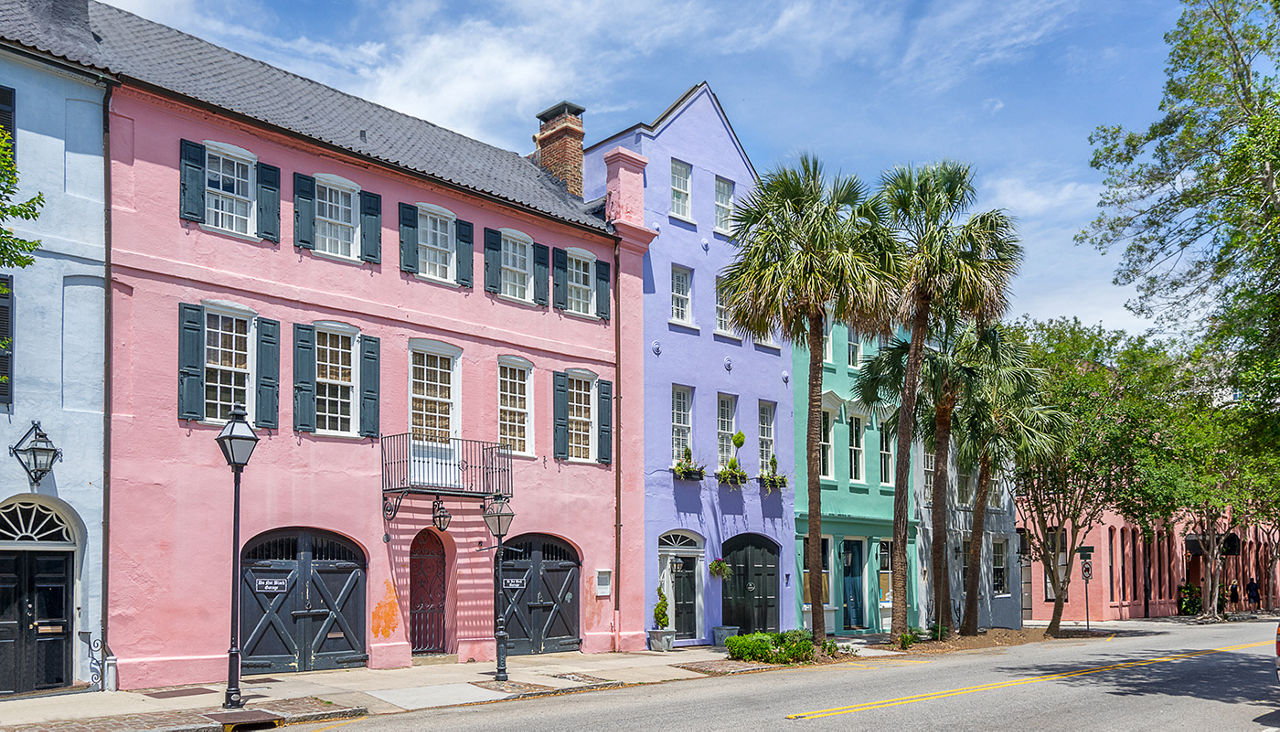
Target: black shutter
[191,181]
[304,378]
[304,211]
[6,339]
[370,227]
[269,202]
[602,289]
[267,399]
[560,414]
[604,442]
[190,361]
[408,237]
[9,118]
[464,252]
[492,260]
[369,424]
[541,255]
[559,279]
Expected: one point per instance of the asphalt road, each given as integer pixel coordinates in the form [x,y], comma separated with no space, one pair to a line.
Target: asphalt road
[1149,675]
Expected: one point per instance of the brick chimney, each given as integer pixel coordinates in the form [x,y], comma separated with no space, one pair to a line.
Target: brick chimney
[559,142]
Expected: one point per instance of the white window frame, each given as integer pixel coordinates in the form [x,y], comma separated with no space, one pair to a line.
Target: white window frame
[529,429]
[767,341]
[516,236]
[338,183]
[965,484]
[995,494]
[855,349]
[593,383]
[232,310]
[582,255]
[1004,556]
[681,423]
[239,154]
[766,430]
[886,456]
[928,465]
[724,438]
[828,342]
[343,329]
[432,347]
[687,296]
[425,212]
[723,327]
[858,450]
[826,433]
[687,191]
[724,210]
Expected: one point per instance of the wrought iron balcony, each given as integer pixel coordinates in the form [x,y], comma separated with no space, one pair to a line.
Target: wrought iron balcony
[457,467]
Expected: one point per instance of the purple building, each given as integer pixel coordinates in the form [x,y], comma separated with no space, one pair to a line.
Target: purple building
[704,384]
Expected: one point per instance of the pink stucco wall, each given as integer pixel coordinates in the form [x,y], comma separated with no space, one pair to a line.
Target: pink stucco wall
[171,490]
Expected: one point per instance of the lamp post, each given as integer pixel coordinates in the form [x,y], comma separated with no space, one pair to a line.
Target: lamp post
[36,453]
[237,441]
[497,517]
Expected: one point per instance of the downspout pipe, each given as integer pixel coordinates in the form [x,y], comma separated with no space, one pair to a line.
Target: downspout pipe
[107,666]
[617,446]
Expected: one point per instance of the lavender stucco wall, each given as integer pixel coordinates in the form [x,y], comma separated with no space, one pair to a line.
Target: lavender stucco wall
[698,134]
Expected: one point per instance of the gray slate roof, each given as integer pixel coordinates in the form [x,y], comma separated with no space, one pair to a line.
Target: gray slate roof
[135,48]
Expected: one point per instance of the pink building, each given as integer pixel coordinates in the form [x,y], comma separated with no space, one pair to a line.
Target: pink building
[414,320]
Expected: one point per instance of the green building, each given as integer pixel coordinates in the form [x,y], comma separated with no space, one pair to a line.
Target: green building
[857,458]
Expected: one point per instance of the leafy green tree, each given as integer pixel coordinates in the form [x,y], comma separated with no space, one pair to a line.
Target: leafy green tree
[14,250]
[809,248]
[948,256]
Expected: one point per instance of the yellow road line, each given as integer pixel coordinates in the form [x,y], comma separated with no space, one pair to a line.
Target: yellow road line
[1014,682]
[1113,635]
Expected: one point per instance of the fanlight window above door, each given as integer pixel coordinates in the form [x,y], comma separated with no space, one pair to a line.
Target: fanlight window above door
[31,521]
[677,541]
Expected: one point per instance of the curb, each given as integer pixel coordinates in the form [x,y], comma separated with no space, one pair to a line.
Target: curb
[286,719]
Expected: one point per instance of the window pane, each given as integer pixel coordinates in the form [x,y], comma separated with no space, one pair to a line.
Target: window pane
[680,310]
[515,268]
[681,421]
[886,456]
[726,426]
[435,246]
[680,188]
[765,435]
[226,358]
[855,449]
[227,192]
[431,398]
[722,310]
[724,204]
[580,420]
[580,289]
[335,220]
[334,381]
[513,407]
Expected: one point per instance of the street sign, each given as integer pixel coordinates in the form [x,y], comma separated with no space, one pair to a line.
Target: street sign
[271,585]
[513,583]
[1085,550]
[1086,570]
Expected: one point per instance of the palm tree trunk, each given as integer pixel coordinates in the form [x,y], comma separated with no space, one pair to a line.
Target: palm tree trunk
[976,535]
[902,472]
[938,497]
[813,435]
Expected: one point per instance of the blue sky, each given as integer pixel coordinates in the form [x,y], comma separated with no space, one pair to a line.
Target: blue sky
[1013,87]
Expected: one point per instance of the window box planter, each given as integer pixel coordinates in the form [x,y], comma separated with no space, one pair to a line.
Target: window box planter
[732,477]
[771,483]
[689,472]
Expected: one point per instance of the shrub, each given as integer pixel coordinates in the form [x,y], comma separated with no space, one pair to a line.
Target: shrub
[829,647]
[753,647]
[939,632]
[793,646]
[660,610]
[1189,600]
[908,639]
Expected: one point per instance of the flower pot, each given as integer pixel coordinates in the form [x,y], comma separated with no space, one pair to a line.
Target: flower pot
[661,639]
[720,632]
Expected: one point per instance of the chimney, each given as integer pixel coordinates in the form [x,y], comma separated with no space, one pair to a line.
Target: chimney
[559,142]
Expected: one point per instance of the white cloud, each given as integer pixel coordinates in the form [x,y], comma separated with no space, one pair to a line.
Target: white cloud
[993,105]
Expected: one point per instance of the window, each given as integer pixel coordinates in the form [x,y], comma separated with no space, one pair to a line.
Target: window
[964,490]
[724,204]
[1057,541]
[432,396]
[855,350]
[335,381]
[335,219]
[855,449]
[681,310]
[681,174]
[581,293]
[435,243]
[824,447]
[516,256]
[999,567]
[722,310]
[1111,562]
[765,432]
[929,461]
[826,576]
[826,342]
[228,190]
[580,417]
[226,364]
[513,406]
[886,456]
[681,420]
[965,544]
[995,493]
[886,572]
[726,426]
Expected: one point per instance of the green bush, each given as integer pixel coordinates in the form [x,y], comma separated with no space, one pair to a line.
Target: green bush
[908,639]
[753,647]
[1189,600]
[793,646]
[660,610]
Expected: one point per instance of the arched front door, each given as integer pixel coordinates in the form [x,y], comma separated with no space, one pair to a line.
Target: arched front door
[426,593]
[750,597]
[680,570]
[540,595]
[36,551]
[302,602]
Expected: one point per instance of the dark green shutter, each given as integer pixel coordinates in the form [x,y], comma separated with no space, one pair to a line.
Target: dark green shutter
[6,339]
[269,202]
[602,289]
[304,211]
[190,361]
[369,424]
[408,237]
[266,410]
[559,279]
[191,180]
[464,251]
[604,445]
[560,414]
[370,227]
[304,378]
[541,257]
[9,117]
[492,260]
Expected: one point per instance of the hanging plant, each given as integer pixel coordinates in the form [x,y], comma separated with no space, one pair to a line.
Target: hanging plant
[720,568]
[686,469]
[732,474]
[771,481]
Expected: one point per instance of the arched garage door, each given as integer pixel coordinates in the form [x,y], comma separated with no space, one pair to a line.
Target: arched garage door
[302,602]
[540,595]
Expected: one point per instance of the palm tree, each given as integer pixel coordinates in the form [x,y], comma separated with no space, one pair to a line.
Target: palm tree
[809,249]
[967,265]
[1003,421]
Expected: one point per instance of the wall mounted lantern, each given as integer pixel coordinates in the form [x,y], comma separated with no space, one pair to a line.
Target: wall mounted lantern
[440,516]
[36,453]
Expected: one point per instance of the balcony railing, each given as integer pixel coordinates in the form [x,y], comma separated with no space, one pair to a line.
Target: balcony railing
[459,468]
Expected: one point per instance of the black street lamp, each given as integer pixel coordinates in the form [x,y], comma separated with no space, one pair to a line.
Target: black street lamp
[497,517]
[36,453]
[237,441]
[440,516]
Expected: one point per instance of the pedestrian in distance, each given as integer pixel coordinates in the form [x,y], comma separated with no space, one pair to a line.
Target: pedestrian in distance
[1233,601]
[1251,592]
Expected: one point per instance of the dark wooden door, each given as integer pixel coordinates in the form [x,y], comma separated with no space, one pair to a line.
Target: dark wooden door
[684,591]
[426,593]
[35,620]
[750,594]
[302,602]
[852,556]
[539,595]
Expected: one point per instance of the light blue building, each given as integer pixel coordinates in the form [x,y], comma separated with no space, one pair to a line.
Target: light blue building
[51,532]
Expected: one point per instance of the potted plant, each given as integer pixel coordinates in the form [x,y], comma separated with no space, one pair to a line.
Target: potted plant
[732,474]
[686,469]
[771,481]
[720,569]
[660,638]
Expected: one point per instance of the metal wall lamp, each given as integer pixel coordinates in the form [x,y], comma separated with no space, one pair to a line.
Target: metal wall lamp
[36,453]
